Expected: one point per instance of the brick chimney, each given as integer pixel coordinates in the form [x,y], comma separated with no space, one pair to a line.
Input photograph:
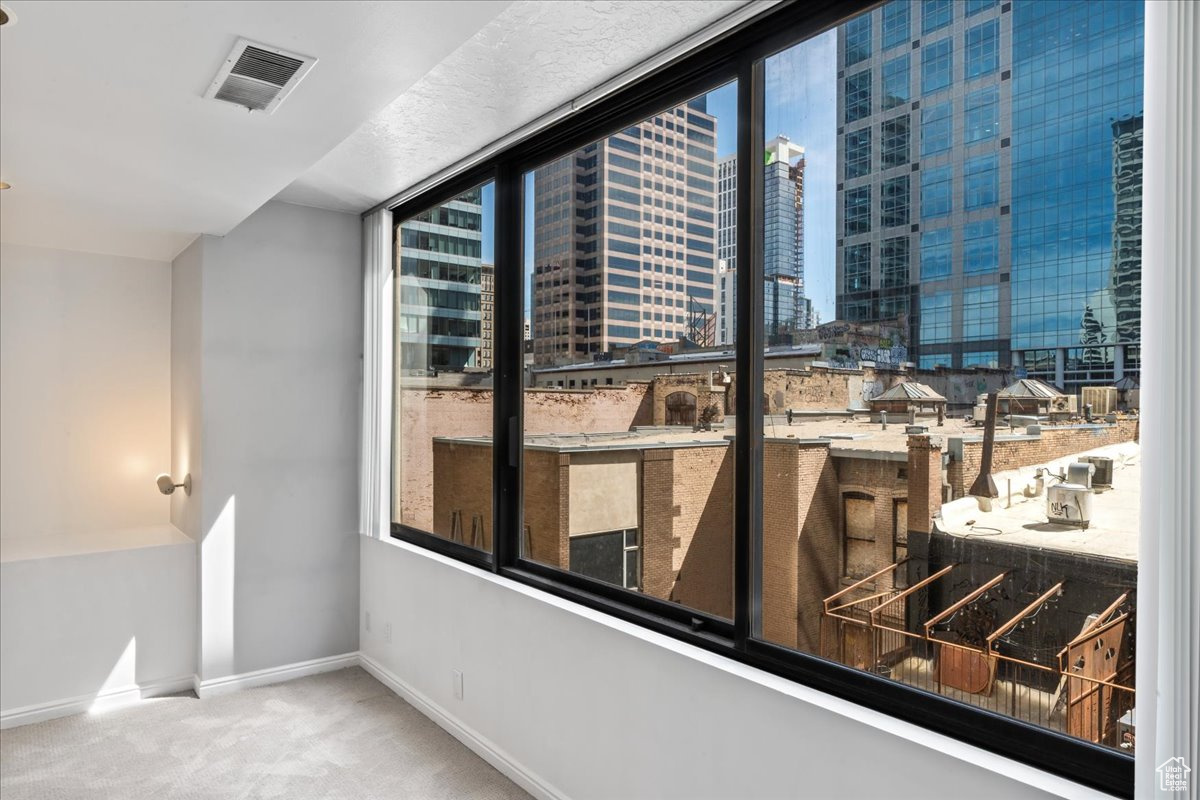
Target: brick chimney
[924,481]
[924,501]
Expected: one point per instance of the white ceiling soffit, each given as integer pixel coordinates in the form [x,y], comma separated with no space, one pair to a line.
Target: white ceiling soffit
[532,58]
[111,147]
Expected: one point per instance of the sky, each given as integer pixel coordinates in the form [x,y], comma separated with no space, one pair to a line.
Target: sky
[801,103]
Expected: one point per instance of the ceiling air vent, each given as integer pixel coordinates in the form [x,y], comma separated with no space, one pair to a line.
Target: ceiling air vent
[258,77]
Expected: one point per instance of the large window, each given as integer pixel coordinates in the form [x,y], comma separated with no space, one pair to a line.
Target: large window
[708,355]
[628,472]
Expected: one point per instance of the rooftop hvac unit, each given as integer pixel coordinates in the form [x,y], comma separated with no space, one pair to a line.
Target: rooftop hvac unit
[1069,504]
[1080,474]
[1103,479]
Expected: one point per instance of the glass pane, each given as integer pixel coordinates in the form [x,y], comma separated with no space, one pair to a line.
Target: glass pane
[630,261]
[444,326]
[1009,250]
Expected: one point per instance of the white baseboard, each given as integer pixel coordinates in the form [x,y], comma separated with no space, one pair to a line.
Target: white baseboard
[101,701]
[264,677]
[481,746]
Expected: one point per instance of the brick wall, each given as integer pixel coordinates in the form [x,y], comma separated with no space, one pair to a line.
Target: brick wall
[882,482]
[1053,443]
[695,384]
[547,492]
[801,540]
[658,521]
[702,517]
[423,414]
[462,482]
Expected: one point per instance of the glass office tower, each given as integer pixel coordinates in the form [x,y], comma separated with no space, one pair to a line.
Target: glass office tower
[989,184]
[1076,206]
[440,254]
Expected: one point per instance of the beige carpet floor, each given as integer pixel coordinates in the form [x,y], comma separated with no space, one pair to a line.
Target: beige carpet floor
[337,735]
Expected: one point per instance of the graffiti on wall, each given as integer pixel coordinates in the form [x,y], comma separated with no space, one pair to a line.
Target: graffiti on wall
[882,356]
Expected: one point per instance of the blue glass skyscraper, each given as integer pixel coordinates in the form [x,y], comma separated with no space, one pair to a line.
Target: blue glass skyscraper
[989,182]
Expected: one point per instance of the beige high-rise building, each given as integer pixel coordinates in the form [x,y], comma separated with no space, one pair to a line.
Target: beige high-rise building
[625,239]
[487,316]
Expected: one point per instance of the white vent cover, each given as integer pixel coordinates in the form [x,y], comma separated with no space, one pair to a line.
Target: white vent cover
[258,77]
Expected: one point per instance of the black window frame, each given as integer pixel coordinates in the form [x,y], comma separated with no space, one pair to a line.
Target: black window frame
[740,55]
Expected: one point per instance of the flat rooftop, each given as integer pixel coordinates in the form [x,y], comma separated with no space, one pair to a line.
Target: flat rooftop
[1114,528]
[850,436]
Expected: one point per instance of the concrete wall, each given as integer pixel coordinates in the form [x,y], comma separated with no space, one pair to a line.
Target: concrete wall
[85,399]
[603,492]
[595,708]
[280,330]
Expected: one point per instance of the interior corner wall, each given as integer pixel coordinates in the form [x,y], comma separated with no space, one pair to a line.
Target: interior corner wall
[269,417]
[85,395]
[186,446]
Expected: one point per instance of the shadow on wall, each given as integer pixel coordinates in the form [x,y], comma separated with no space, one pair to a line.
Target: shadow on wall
[705,579]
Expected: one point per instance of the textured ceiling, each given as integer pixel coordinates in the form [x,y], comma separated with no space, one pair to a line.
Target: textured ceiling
[111,148]
[532,58]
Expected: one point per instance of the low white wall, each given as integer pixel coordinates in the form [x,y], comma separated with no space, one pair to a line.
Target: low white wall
[75,628]
[594,708]
[85,391]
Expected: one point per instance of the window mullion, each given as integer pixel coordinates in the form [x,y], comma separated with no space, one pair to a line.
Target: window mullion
[747,608]
[507,375]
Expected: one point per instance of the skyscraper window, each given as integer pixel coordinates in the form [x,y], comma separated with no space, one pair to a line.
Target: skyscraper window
[937,129]
[858,96]
[981,247]
[936,14]
[980,181]
[893,142]
[937,191]
[981,313]
[858,40]
[981,115]
[936,253]
[857,217]
[893,264]
[896,24]
[936,316]
[858,153]
[895,82]
[858,268]
[982,51]
[893,202]
[937,65]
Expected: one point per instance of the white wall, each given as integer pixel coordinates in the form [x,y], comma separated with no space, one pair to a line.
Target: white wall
[85,391]
[595,708]
[84,626]
[280,338]
[186,351]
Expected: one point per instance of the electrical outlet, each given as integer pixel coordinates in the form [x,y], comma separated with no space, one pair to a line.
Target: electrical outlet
[457,677]
[368,622]
[387,632]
